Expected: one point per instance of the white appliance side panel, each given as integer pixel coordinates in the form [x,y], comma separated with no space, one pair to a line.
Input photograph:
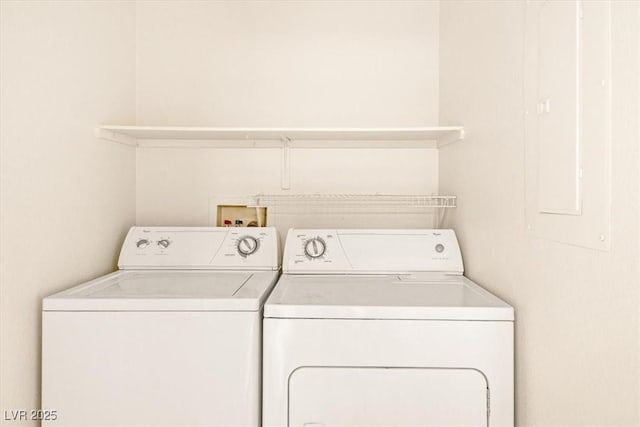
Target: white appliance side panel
[326,251]
[239,248]
[380,397]
[290,344]
[152,368]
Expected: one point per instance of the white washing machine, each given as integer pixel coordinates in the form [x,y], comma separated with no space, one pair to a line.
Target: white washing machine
[171,339]
[381,328]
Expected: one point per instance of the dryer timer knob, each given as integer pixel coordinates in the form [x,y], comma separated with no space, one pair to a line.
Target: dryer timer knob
[164,243]
[142,243]
[314,248]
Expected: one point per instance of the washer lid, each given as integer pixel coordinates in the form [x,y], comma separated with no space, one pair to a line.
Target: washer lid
[412,297]
[163,290]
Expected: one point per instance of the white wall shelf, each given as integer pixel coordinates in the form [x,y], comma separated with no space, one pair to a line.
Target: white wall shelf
[284,138]
[184,136]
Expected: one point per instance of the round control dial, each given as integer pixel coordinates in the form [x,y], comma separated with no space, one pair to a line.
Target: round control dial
[164,243]
[247,245]
[315,247]
[142,243]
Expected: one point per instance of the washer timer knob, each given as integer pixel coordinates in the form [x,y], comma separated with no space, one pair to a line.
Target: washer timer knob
[247,245]
[315,247]
[164,243]
[142,243]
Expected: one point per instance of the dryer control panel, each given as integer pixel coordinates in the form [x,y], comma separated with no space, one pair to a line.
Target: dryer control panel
[326,251]
[200,248]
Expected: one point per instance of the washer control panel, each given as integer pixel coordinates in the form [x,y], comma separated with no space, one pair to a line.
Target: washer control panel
[200,248]
[371,251]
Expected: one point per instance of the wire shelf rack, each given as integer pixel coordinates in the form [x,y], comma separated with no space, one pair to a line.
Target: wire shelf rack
[353,203]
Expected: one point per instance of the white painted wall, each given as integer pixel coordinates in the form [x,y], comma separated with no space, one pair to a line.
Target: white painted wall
[279,63]
[175,186]
[287,63]
[66,197]
[576,309]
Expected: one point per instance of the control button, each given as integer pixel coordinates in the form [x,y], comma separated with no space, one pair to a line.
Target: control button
[314,248]
[247,245]
[142,243]
[439,248]
[164,243]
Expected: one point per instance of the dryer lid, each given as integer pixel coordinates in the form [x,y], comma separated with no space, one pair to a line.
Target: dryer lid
[161,290]
[406,297]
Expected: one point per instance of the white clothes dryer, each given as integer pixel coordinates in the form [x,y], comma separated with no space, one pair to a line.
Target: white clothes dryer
[381,328]
[171,339]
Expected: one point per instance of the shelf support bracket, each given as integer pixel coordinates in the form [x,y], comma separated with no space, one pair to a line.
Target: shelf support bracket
[451,138]
[113,136]
[286,163]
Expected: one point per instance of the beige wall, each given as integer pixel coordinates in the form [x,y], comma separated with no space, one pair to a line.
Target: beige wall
[576,309]
[284,63]
[313,63]
[176,186]
[67,198]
